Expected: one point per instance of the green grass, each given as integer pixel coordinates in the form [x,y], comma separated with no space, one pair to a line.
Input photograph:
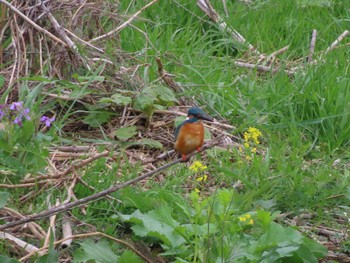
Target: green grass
[302,161]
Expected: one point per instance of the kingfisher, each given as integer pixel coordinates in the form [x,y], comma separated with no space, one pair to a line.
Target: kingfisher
[189,135]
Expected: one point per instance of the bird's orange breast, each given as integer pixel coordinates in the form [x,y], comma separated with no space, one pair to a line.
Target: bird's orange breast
[190,137]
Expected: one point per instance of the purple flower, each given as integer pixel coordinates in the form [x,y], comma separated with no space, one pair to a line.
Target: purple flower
[18,121]
[26,114]
[16,105]
[47,120]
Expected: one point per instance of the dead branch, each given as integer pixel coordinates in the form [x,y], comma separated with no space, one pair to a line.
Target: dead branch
[312,45]
[36,230]
[126,23]
[88,199]
[33,24]
[208,9]
[337,41]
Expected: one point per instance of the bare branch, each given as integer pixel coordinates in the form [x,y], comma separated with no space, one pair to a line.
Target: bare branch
[122,26]
[336,42]
[88,199]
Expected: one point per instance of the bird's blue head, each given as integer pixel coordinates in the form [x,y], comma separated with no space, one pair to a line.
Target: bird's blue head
[198,113]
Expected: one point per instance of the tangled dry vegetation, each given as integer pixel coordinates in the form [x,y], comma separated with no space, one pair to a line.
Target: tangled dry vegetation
[57,38]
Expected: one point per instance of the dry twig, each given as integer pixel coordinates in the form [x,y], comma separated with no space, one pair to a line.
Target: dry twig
[126,23]
[337,41]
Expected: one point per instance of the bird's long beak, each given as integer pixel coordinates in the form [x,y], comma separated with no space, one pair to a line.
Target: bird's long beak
[206,117]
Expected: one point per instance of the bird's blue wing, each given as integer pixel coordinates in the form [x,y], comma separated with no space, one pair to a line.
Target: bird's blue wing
[182,124]
[178,129]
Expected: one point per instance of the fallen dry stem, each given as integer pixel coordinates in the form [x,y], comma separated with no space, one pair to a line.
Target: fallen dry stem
[337,41]
[88,199]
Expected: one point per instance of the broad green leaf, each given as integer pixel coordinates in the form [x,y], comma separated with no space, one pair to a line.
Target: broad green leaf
[310,249]
[4,259]
[129,257]
[26,132]
[264,217]
[126,133]
[4,196]
[279,236]
[121,100]
[165,94]
[156,223]
[145,103]
[99,252]
[96,118]
[2,81]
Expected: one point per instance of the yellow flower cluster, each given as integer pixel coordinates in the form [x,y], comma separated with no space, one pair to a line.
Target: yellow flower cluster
[197,166]
[252,134]
[202,178]
[247,218]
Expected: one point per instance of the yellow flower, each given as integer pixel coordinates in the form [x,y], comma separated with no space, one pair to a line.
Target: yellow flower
[197,166]
[202,178]
[253,150]
[251,222]
[246,217]
[254,134]
[246,145]
[197,190]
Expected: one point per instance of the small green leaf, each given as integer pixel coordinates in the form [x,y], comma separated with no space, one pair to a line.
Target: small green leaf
[2,81]
[145,103]
[121,100]
[96,118]
[79,93]
[265,204]
[52,255]
[91,251]
[126,133]
[4,196]
[165,94]
[117,99]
